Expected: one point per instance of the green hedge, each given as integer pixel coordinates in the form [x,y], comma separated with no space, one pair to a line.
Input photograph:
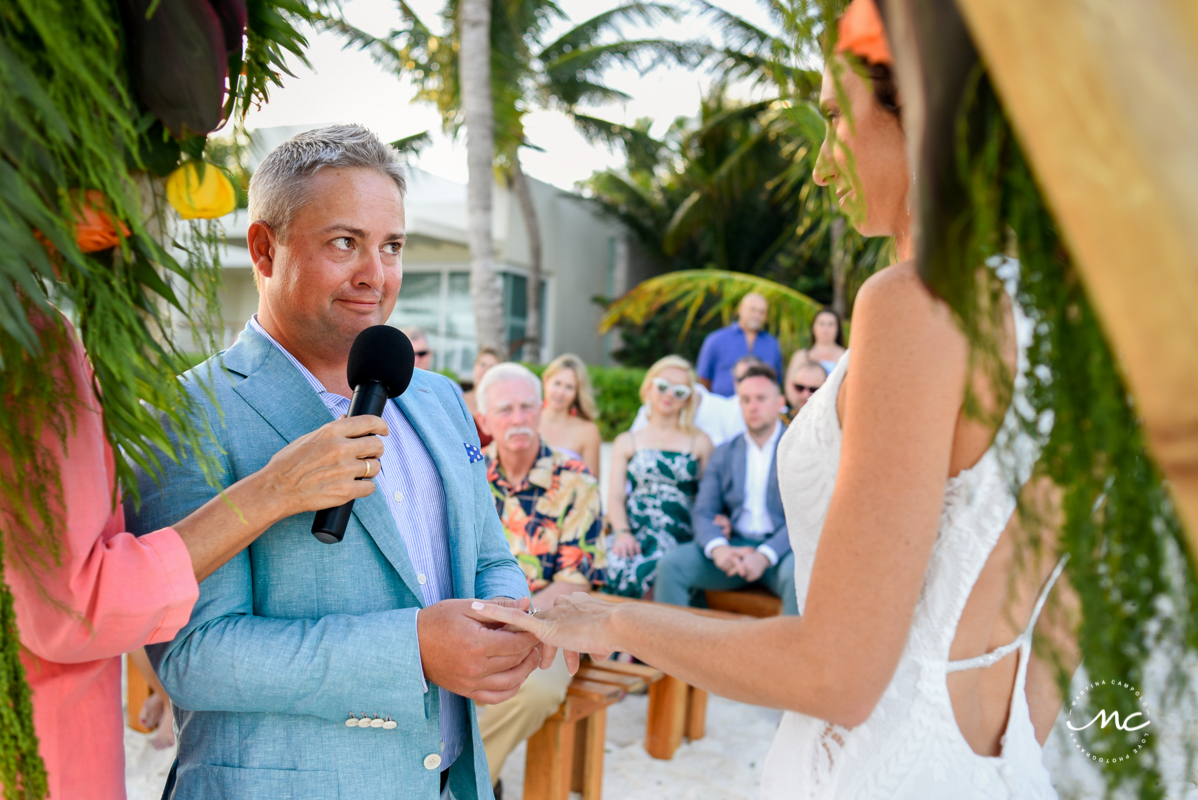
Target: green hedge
[617,393]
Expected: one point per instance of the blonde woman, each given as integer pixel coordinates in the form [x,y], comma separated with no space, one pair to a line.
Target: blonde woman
[663,463]
[568,419]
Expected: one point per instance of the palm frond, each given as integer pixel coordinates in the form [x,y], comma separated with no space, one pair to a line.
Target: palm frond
[612,134]
[587,33]
[790,312]
[412,145]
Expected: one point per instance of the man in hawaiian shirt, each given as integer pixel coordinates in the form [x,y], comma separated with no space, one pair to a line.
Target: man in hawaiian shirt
[549,506]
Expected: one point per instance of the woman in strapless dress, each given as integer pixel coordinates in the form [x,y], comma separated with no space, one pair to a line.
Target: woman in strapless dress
[907,673]
[570,413]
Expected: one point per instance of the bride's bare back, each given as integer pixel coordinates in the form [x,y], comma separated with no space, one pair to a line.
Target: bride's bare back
[1002,598]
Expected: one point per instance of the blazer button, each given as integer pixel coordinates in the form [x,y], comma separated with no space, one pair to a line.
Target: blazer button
[352,722]
[364,722]
[432,761]
[390,724]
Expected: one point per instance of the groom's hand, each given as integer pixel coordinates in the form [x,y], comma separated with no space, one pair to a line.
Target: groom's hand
[467,655]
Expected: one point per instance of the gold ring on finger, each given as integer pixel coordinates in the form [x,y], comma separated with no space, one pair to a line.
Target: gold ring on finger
[366,474]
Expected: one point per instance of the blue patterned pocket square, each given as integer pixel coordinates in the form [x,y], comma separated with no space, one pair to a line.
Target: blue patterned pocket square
[474,453]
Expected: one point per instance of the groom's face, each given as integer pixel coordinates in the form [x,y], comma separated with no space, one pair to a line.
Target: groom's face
[338,267]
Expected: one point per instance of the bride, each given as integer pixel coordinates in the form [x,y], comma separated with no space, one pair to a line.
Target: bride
[910,671]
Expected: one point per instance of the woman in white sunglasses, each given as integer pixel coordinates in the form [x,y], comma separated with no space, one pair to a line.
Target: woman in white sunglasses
[662,463]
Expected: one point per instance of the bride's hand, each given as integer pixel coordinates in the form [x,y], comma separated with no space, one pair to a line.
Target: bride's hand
[577,623]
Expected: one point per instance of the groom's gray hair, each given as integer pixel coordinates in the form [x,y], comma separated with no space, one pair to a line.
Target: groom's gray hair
[278,187]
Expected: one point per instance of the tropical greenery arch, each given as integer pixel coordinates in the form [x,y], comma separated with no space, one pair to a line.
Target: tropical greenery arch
[106,112]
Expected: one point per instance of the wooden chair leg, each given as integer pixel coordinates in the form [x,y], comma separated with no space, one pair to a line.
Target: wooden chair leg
[137,691]
[667,717]
[588,756]
[549,765]
[696,713]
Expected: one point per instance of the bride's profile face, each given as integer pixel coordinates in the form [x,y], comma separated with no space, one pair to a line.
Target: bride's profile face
[864,156]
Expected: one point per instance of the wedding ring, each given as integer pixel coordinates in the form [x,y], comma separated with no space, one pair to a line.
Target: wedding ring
[366,474]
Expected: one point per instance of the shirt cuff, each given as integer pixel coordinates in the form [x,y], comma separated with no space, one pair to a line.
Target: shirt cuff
[718,541]
[419,660]
[769,553]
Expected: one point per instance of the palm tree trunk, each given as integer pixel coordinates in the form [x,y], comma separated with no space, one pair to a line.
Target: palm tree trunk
[486,290]
[532,326]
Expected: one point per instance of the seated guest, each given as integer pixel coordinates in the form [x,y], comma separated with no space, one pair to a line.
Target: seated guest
[741,482]
[718,417]
[549,506]
[747,336]
[487,357]
[568,418]
[827,341]
[802,380]
[662,463]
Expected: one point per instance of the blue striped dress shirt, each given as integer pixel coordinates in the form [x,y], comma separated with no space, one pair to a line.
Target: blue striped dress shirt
[410,482]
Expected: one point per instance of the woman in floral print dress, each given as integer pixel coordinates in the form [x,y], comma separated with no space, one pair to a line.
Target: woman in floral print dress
[663,463]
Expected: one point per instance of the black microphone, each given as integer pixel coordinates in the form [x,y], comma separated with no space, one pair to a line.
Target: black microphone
[380,367]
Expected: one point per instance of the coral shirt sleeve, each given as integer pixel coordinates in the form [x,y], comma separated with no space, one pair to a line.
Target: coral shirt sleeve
[109,592]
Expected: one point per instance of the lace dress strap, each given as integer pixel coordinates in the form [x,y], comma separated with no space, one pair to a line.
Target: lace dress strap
[998,653]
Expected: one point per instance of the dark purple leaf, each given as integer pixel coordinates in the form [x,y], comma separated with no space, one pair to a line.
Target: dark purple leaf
[178,62]
[233,19]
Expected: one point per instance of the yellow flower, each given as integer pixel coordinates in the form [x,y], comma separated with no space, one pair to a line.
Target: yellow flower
[194,197]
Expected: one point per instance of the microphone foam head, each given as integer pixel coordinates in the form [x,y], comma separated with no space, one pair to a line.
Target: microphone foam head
[383,354]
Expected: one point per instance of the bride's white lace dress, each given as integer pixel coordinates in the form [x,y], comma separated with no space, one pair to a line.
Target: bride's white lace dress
[910,747]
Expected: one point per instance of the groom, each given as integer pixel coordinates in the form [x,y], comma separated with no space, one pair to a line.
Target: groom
[307,670]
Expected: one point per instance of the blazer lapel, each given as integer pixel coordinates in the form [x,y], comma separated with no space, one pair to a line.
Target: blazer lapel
[773,494]
[286,401]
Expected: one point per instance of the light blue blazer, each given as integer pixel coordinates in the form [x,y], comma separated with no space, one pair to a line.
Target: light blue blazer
[291,636]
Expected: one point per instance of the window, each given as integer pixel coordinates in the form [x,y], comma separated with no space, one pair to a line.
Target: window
[440,303]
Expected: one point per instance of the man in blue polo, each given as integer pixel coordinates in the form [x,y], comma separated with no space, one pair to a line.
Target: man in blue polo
[745,337]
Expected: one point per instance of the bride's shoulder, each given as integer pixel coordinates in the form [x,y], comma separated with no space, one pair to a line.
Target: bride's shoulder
[896,301]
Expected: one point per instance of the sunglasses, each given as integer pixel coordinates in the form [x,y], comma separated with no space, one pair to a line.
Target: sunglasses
[421,353]
[798,387]
[679,390]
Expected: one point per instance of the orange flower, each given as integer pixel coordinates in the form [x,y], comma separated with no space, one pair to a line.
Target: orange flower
[860,32]
[94,230]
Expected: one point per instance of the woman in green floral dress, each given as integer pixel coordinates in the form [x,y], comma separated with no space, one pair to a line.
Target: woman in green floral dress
[663,463]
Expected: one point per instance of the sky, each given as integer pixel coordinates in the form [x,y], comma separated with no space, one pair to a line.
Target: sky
[347,86]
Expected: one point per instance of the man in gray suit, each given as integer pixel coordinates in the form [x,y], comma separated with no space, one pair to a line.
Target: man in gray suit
[308,670]
[739,525]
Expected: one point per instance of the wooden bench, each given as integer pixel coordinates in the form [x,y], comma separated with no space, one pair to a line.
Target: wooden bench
[137,691]
[566,753]
[677,710]
[752,601]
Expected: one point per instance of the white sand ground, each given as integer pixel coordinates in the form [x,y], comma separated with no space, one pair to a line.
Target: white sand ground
[726,765]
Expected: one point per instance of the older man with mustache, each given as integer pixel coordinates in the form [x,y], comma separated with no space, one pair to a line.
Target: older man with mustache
[548,503]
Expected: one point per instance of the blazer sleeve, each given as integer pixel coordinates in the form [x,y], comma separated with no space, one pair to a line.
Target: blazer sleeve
[710,500]
[228,659]
[497,574]
[109,592]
